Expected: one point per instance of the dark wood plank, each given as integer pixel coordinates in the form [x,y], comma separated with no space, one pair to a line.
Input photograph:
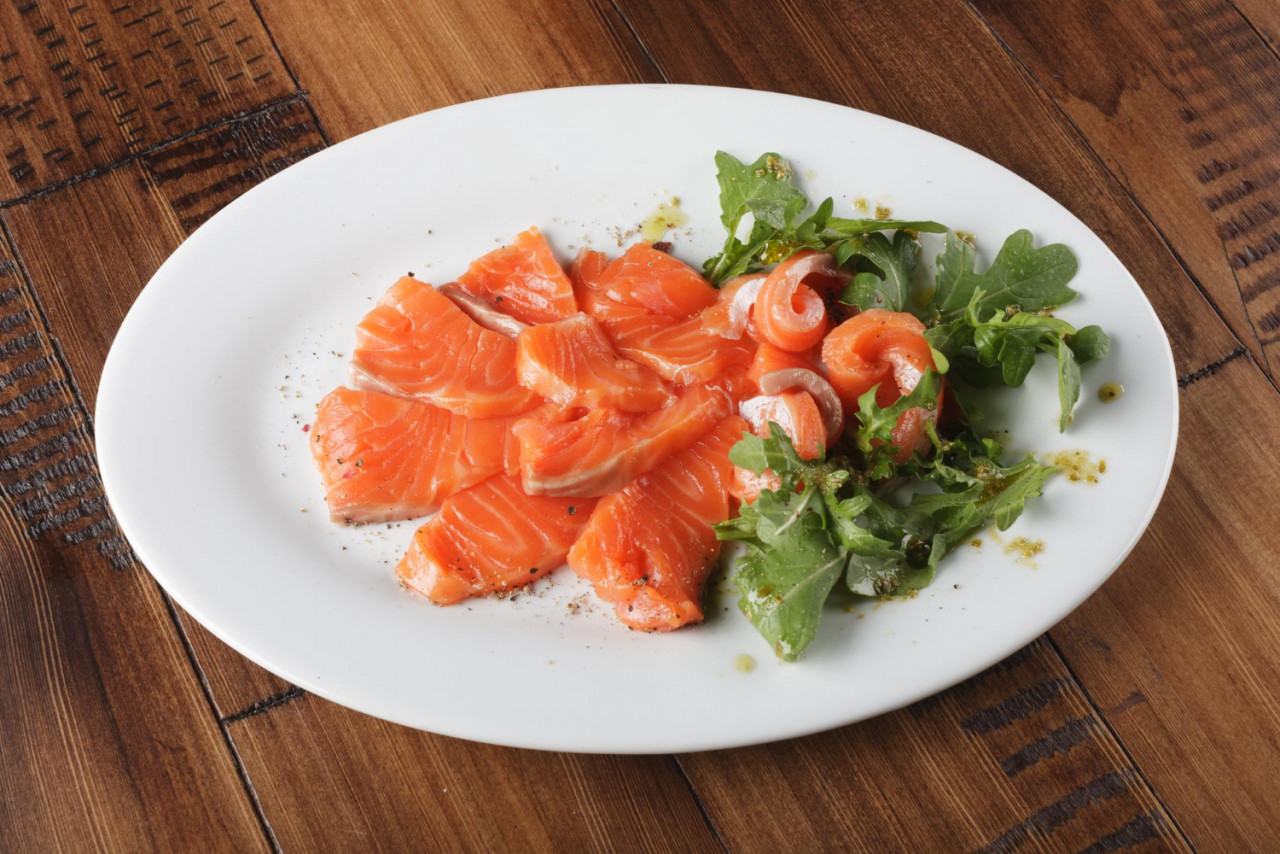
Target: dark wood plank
[1182,100]
[1180,646]
[1014,759]
[933,65]
[83,85]
[107,740]
[332,779]
[153,202]
[401,59]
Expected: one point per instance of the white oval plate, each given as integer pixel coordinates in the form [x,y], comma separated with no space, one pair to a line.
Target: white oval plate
[224,355]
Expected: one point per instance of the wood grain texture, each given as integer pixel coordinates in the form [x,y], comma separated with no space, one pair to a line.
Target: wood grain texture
[1146,720]
[431,54]
[1015,759]
[93,757]
[86,84]
[1182,101]
[387,788]
[1180,646]
[964,88]
[155,201]
[1263,16]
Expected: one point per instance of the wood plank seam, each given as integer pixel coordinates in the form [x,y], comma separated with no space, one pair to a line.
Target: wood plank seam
[293,76]
[702,808]
[47,468]
[294,97]
[266,704]
[1063,696]
[1034,82]
[1124,748]
[233,751]
[1210,369]
[1254,27]
[639,42]
[53,459]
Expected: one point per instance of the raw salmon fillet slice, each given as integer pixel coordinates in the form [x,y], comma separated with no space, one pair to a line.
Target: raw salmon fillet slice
[606,449]
[798,415]
[522,279]
[684,350]
[491,537]
[650,547]
[417,343]
[386,458]
[885,350]
[650,279]
[573,363]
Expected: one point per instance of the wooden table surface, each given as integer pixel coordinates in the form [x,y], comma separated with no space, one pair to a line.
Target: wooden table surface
[1147,720]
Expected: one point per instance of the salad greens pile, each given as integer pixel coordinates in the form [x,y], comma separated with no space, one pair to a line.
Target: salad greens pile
[834,519]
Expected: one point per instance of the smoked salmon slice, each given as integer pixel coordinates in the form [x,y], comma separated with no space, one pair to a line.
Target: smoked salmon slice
[417,343]
[386,458]
[790,314]
[491,537]
[799,416]
[885,349]
[606,449]
[681,351]
[769,358]
[522,279]
[573,363]
[650,547]
[653,280]
[730,317]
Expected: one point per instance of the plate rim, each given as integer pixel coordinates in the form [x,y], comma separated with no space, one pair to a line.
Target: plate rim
[672,742]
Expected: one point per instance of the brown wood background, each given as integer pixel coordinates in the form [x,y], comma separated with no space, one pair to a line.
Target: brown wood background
[1147,720]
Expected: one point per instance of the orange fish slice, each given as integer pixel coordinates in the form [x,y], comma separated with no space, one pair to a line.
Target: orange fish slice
[769,358]
[730,317]
[788,312]
[572,363]
[683,352]
[522,279]
[799,416]
[606,449]
[650,547]
[385,458]
[417,343]
[491,537]
[653,280]
[887,348]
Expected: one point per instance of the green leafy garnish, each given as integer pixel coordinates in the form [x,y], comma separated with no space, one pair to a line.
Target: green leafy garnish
[824,523]
[865,515]
[765,190]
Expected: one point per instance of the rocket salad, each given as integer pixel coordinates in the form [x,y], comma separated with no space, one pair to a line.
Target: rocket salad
[838,515]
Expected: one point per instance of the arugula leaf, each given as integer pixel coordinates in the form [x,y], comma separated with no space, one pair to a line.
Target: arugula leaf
[877,423]
[839,225]
[762,188]
[1089,344]
[1011,489]
[756,454]
[1020,276]
[894,262]
[1068,383]
[953,285]
[789,572]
